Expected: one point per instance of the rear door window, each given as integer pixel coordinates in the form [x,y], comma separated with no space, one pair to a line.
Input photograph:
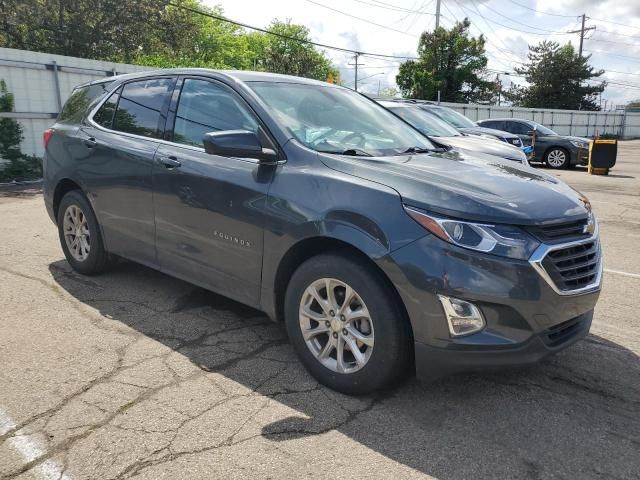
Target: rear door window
[104,116]
[519,128]
[140,107]
[76,106]
[206,107]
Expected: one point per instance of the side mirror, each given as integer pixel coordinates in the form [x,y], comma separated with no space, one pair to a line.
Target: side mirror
[237,143]
[531,133]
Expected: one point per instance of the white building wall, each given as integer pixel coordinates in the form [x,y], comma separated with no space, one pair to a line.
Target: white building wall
[31,79]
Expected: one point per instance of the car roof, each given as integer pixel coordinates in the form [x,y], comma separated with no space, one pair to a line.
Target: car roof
[238,75]
[505,119]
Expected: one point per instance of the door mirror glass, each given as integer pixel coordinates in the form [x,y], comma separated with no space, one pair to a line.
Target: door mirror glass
[237,143]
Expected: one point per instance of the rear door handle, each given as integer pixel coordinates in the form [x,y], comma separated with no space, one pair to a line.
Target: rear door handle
[169,162]
[90,142]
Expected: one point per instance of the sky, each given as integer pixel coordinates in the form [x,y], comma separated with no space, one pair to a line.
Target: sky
[392,27]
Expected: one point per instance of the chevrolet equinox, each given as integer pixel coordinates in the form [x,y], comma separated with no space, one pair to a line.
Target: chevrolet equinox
[382,253]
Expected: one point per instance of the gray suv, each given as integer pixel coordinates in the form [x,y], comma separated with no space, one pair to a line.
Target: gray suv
[382,254]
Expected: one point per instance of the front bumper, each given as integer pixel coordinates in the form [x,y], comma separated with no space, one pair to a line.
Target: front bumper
[582,156]
[519,307]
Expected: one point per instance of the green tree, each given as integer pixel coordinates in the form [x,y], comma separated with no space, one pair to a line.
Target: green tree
[13,164]
[557,78]
[451,61]
[277,54]
[106,30]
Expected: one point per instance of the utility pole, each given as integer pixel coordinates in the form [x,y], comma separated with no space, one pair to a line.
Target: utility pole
[582,32]
[356,56]
[438,13]
[499,84]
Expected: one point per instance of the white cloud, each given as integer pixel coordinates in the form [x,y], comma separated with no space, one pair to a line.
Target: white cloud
[506,46]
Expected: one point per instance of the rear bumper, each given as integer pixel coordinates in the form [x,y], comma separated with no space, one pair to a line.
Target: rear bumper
[433,362]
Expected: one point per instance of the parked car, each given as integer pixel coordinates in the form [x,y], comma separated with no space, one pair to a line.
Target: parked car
[557,151]
[318,206]
[442,133]
[469,127]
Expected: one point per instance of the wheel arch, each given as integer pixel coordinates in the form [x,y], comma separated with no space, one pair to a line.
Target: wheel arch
[63,187]
[310,247]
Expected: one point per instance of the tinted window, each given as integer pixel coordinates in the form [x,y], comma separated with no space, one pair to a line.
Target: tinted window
[208,107]
[498,125]
[104,116]
[140,106]
[518,128]
[80,99]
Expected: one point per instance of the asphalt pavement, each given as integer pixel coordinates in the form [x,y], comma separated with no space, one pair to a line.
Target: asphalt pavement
[134,374]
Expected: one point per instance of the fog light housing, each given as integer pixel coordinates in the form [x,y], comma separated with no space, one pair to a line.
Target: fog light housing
[464,318]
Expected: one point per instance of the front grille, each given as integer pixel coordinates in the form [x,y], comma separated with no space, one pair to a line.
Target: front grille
[563,332]
[573,267]
[560,231]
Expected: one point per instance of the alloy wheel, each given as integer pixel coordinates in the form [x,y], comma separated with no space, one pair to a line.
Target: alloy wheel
[336,325]
[76,233]
[556,158]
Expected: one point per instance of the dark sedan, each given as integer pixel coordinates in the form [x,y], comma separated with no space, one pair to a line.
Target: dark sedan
[557,151]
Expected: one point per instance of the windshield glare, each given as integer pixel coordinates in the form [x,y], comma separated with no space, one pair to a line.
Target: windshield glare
[452,117]
[336,120]
[424,121]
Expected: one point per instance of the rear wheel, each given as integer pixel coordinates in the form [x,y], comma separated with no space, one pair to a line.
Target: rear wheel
[557,158]
[80,235]
[347,329]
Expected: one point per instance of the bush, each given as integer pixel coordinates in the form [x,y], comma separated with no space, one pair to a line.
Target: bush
[14,165]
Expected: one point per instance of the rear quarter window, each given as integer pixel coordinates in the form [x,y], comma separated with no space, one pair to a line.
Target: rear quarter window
[76,106]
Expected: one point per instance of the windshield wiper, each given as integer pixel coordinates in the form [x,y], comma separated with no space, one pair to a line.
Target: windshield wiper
[425,150]
[354,152]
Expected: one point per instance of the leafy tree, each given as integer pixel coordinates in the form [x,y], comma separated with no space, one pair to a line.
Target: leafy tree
[13,164]
[106,30]
[557,78]
[293,57]
[451,61]
[154,33]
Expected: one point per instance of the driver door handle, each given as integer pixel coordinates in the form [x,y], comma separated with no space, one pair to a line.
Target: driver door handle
[170,161]
[90,142]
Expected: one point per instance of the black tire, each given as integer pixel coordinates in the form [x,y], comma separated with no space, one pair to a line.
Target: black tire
[98,259]
[555,152]
[391,357]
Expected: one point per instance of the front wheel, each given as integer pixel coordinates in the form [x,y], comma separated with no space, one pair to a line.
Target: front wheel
[348,330]
[557,158]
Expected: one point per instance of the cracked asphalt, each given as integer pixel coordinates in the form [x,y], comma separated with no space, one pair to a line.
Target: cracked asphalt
[134,374]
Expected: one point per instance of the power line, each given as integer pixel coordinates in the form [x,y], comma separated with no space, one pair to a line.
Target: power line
[521,23]
[539,11]
[288,37]
[393,8]
[361,19]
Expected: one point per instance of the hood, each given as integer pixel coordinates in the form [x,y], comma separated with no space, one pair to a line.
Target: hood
[484,145]
[487,131]
[469,186]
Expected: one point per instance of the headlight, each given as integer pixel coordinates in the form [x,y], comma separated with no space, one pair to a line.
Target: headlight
[503,240]
[579,144]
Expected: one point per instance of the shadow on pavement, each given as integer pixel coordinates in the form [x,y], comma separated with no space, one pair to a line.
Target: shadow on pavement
[576,415]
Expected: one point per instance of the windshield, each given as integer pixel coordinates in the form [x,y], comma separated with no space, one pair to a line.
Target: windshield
[337,120]
[541,129]
[452,117]
[424,121]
